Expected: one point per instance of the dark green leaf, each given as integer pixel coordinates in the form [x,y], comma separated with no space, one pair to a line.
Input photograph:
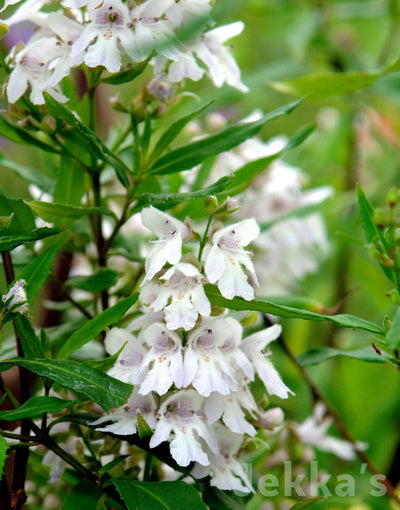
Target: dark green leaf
[55,213]
[343,320]
[393,336]
[95,326]
[10,239]
[166,200]
[83,496]
[19,135]
[59,111]
[27,174]
[144,429]
[22,219]
[101,388]
[173,131]
[129,75]
[69,186]
[3,455]
[31,345]
[104,364]
[103,279]
[37,271]
[371,231]
[36,406]
[315,356]
[159,495]
[196,152]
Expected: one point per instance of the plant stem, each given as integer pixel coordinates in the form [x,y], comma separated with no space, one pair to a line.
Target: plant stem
[204,238]
[18,496]
[317,395]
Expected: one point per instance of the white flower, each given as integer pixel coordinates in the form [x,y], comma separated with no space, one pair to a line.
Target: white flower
[24,12]
[170,233]
[124,419]
[253,346]
[184,292]
[226,256]
[181,422]
[212,355]
[129,366]
[313,432]
[110,24]
[188,12]
[164,360]
[17,295]
[217,57]
[36,66]
[225,470]
[230,409]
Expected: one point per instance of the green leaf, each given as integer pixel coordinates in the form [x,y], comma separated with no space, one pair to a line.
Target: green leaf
[19,135]
[37,271]
[69,186]
[3,31]
[104,364]
[31,345]
[129,75]
[306,503]
[36,406]
[27,174]
[10,239]
[55,213]
[101,388]
[22,219]
[83,496]
[371,231]
[315,356]
[103,279]
[173,131]
[325,85]
[159,495]
[144,429]
[59,111]
[166,200]
[393,336]
[3,455]
[343,320]
[188,156]
[95,326]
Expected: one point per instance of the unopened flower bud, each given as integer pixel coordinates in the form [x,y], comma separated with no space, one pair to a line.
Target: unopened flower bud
[392,197]
[211,204]
[380,218]
[271,419]
[249,320]
[395,297]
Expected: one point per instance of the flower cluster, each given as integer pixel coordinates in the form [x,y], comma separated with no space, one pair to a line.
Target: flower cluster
[113,35]
[189,364]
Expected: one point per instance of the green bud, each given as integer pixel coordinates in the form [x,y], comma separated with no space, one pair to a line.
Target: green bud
[374,253]
[387,322]
[249,320]
[379,217]
[395,297]
[392,197]
[211,204]
[6,220]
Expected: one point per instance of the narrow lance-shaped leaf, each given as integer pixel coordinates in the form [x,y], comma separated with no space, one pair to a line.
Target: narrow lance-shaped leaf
[19,135]
[126,76]
[371,231]
[59,111]
[28,174]
[10,239]
[166,200]
[3,454]
[393,336]
[173,131]
[101,388]
[55,213]
[36,406]
[103,279]
[95,326]
[343,320]
[31,345]
[190,155]
[37,271]
[368,354]
[159,495]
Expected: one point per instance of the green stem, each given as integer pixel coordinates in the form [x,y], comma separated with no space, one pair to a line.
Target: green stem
[204,238]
